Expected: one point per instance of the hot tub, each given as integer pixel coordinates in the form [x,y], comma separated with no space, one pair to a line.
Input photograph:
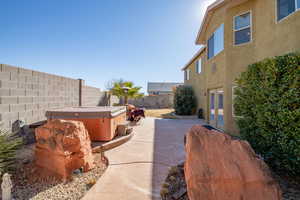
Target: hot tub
[101,122]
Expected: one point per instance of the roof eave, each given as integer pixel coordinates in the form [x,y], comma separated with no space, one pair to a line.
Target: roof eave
[200,38]
[193,58]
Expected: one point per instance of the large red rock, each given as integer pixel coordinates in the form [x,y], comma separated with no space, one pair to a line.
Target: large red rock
[62,147]
[220,168]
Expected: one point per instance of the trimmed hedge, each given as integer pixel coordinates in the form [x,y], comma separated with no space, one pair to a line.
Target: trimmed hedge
[185,102]
[268,101]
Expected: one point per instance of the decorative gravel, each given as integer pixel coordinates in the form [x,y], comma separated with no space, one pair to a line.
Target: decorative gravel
[28,184]
[174,187]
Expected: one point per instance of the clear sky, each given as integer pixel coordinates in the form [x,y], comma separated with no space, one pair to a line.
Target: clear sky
[100,40]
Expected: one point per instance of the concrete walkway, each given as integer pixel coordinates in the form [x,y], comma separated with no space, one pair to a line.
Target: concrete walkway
[138,168]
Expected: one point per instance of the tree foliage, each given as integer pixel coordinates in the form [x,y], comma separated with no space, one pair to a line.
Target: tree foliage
[185,102]
[268,101]
[8,147]
[117,88]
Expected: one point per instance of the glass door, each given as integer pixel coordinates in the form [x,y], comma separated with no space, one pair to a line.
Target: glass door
[212,110]
[220,109]
[216,108]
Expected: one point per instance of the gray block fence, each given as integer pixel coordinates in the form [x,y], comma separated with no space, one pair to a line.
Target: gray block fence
[26,94]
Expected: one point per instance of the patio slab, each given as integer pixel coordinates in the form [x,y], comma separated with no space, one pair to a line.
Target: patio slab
[138,168]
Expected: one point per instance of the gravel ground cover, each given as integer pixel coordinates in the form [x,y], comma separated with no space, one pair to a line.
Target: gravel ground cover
[174,187]
[28,183]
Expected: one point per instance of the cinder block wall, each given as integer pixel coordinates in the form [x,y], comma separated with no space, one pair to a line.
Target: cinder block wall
[92,96]
[27,94]
[159,101]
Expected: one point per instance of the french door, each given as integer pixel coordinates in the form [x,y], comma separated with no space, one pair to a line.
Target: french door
[216,108]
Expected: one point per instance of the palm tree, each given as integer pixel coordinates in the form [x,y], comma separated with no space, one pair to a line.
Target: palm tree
[125,89]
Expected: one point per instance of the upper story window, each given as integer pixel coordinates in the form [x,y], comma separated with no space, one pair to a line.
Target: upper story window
[198,66]
[215,43]
[242,28]
[187,74]
[286,7]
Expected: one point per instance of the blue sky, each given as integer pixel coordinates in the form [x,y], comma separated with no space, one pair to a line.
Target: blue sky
[100,40]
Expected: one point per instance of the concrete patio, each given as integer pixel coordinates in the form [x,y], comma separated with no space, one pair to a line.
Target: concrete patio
[138,168]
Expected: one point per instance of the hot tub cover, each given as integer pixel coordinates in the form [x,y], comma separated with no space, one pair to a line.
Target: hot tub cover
[85,112]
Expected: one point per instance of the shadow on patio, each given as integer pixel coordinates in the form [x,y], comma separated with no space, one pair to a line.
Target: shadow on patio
[168,148]
[138,168]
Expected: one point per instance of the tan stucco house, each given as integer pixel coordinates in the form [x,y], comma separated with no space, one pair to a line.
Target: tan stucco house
[234,34]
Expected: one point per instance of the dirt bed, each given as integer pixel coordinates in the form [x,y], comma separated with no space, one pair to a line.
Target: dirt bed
[160,113]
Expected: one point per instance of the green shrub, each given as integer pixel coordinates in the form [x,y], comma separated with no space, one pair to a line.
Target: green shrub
[185,101]
[8,147]
[268,101]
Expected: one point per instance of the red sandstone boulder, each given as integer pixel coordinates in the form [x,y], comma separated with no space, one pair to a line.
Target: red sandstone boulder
[220,168]
[63,146]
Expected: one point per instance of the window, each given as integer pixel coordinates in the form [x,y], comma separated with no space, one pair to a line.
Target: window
[242,28]
[198,66]
[216,42]
[219,40]
[286,7]
[210,45]
[187,74]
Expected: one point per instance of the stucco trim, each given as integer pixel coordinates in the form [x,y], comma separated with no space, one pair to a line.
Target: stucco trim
[194,58]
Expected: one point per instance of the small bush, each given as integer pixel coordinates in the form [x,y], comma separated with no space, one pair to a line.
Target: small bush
[185,101]
[268,101]
[8,147]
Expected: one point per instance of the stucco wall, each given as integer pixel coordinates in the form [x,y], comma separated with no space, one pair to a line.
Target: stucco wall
[26,95]
[159,101]
[198,81]
[270,38]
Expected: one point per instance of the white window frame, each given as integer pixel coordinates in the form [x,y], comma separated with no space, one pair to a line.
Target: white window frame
[198,65]
[276,11]
[250,26]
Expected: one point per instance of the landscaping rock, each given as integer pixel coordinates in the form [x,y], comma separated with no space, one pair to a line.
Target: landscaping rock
[62,147]
[24,131]
[220,168]
[27,134]
[17,126]
[6,187]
